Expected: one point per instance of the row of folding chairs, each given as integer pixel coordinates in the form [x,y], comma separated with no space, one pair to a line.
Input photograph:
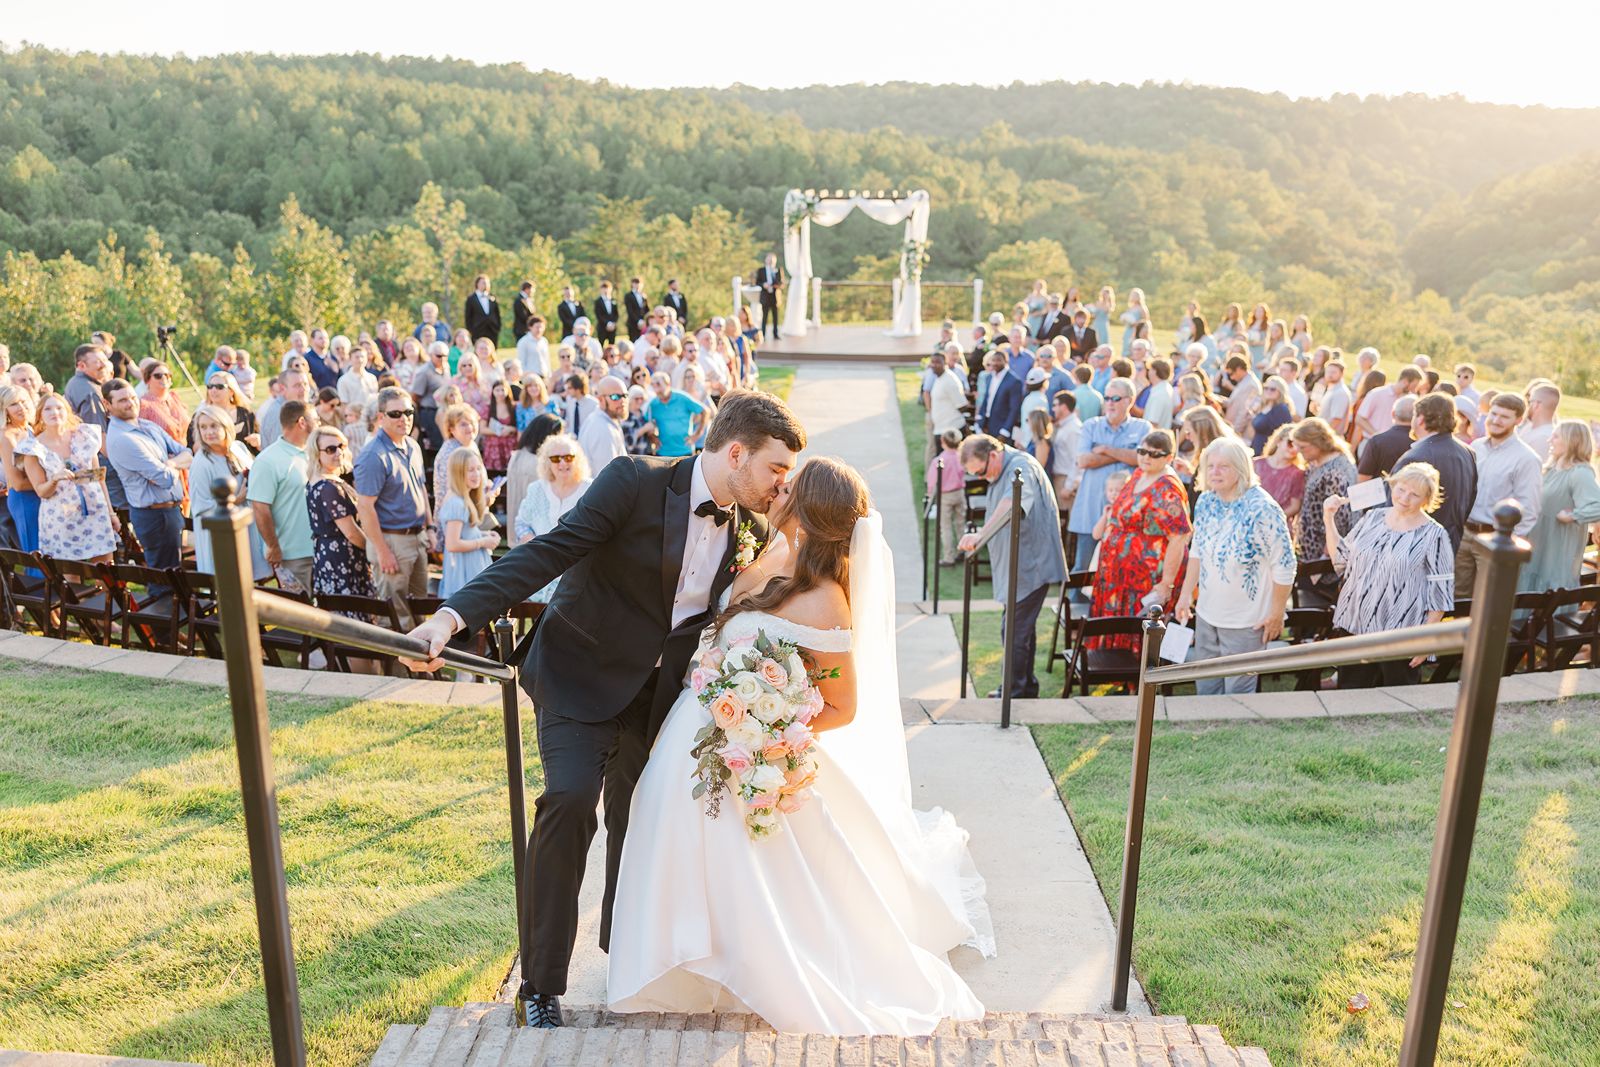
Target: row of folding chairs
[1550,631]
[174,610]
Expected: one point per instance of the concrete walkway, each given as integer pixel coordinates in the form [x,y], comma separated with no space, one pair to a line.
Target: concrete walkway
[850,411]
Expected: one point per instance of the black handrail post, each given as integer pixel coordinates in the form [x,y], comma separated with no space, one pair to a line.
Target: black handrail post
[938,508]
[516,782]
[926,504]
[1500,557]
[1008,674]
[1155,628]
[967,567]
[229,529]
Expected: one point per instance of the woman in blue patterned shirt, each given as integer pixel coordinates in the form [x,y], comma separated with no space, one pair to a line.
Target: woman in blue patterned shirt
[1241,564]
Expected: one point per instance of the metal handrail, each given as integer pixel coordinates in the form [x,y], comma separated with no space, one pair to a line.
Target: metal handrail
[1425,640]
[313,621]
[1482,642]
[241,609]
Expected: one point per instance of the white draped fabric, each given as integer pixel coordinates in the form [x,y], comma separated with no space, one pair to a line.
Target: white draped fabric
[911,209]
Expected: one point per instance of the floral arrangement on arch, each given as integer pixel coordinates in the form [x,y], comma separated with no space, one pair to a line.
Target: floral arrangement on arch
[762,697]
[804,211]
[913,257]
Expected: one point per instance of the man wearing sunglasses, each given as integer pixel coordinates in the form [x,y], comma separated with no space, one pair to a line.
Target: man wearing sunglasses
[600,434]
[392,504]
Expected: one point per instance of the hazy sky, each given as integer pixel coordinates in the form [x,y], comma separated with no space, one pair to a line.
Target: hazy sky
[1533,52]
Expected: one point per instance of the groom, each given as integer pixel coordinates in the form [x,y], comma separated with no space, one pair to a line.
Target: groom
[643,558]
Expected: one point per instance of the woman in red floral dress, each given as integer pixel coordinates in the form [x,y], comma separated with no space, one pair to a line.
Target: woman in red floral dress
[1143,536]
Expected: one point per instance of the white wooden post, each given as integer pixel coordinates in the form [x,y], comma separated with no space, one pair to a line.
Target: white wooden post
[977,301]
[738,296]
[816,301]
[896,291]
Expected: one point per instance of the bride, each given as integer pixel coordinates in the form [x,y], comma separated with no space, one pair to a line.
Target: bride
[838,923]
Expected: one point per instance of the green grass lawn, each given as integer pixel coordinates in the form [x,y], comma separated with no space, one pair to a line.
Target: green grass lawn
[1284,867]
[127,925]
[908,390]
[777,379]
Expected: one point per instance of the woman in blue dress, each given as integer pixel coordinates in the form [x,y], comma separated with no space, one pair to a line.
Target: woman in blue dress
[1103,307]
[1036,303]
[16,406]
[1135,314]
[466,546]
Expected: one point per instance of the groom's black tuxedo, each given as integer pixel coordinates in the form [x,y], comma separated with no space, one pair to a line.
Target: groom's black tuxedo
[592,670]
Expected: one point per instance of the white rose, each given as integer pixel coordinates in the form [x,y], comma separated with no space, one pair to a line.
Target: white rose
[768,707]
[765,779]
[797,668]
[747,687]
[749,734]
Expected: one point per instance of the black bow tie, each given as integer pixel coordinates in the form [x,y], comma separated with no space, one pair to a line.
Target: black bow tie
[708,510]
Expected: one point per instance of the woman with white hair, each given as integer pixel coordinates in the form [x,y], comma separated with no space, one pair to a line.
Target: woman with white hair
[1241,563]
[1398,567]
[563,478]
[1568,503]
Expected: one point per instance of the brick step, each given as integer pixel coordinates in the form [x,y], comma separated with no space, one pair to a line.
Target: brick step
[481,1035]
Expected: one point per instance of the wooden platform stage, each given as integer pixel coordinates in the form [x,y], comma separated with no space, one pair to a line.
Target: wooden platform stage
[868,344]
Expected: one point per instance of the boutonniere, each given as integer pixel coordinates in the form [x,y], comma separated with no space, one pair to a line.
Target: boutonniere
[745,546]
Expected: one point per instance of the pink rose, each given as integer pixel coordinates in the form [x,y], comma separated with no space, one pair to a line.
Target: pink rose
[789,803]
[773,674]
[764,800]
[810,704]
[701,678]
[736,757]
[797,735]
[712,659]
[776,753]
[727,710]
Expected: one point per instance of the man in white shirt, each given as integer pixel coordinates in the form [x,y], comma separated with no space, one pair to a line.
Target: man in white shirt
[1246,391]
[1334,408]
[1289,371]
[1544,398]
[648,345]
[1159,405]
[1064,470]
[533,349]
[947,396]
[297,347]
[600,432]
[357,388]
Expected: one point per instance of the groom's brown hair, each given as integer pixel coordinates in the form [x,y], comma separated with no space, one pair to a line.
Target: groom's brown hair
[751,418]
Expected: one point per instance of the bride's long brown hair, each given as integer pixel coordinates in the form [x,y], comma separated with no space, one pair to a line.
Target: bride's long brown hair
[827,497]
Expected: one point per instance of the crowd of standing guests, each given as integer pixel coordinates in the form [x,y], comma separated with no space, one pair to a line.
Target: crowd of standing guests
[1204,478]
[368,459]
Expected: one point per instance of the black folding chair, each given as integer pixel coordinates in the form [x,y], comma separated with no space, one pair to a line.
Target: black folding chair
[1572,626]
[155,609]
[1104,666]
[1064,628]
[85,597]
[379,610]
[28,593]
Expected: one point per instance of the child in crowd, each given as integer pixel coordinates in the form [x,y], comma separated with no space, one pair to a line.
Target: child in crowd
[950,494]
[466,547]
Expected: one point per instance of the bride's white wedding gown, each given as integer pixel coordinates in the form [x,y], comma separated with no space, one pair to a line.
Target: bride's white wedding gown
[838,924]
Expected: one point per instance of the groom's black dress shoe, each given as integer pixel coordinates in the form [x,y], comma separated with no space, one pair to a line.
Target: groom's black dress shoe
[542,1011]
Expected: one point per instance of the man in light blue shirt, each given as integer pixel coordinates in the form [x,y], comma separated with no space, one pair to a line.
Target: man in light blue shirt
[277,493]
[1105,445]
[147,460]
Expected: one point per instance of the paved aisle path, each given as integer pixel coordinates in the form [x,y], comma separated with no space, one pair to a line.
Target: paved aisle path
[850,411]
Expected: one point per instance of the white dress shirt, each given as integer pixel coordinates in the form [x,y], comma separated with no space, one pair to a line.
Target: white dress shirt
[534,355]
[703,547]
[601,439]
[945,400]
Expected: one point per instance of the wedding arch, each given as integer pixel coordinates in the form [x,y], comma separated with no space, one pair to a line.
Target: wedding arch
[801,209]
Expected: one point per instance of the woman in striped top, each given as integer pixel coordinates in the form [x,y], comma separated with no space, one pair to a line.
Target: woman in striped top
[1398,571]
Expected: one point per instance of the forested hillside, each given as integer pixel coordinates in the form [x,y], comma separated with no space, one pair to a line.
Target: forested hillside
[249,194]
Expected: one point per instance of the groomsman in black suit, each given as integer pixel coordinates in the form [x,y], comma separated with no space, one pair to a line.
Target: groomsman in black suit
[1080,338]
[1054,322]
[677,302]
[522,310]
[637,306]
[605,315]
[568,311]
[770,279]
[482,313]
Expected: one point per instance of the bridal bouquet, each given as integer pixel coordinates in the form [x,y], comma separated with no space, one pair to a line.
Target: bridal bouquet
[762,699]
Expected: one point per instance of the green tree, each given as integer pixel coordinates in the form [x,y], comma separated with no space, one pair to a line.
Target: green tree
[311,282]
[1009,271]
